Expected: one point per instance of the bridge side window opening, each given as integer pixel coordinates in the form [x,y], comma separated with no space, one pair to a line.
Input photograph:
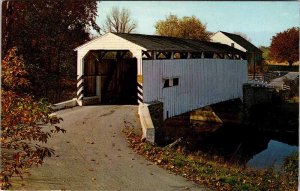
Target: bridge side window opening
[175,81]
[170,82]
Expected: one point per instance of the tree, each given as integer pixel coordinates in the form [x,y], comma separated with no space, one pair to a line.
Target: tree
[285,46]
[265,51]
[119,21]
[186,27]
[23,121]
[46,33]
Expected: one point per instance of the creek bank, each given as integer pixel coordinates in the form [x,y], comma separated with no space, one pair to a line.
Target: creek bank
[241,136]
[213,171]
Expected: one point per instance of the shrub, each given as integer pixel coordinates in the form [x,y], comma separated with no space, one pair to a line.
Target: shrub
[283,68]
[23,121]
[290,166]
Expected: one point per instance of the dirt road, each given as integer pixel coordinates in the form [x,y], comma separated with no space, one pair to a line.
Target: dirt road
[93,155]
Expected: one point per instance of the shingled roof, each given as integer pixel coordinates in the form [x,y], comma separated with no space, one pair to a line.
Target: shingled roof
[164,43]
[241,41]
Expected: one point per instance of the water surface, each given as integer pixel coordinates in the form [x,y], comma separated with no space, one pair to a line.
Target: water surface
[269,136]
[273,155]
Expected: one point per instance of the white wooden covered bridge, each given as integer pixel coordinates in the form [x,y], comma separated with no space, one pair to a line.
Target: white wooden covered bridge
[184,74]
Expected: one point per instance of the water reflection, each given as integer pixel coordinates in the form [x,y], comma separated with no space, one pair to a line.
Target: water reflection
[235,143]
[274,154]
[263,144]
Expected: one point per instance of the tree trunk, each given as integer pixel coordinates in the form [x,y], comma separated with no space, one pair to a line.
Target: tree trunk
[290,63]
[7,22]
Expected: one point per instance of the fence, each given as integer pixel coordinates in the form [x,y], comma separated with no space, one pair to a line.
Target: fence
[264,80]
[257,76]
[262,83]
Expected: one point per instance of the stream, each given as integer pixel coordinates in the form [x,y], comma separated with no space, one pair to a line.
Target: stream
[265,143]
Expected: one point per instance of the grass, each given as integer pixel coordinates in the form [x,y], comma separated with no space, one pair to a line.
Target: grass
[294,99]
[147,147]
[291,165]
[179,160]
[215,174]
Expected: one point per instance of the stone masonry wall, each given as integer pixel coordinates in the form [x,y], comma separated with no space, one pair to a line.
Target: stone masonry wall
[256,95]
[90,100]
[156,112]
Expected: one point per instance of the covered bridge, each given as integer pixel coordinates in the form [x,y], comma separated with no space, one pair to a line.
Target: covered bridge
[183,74]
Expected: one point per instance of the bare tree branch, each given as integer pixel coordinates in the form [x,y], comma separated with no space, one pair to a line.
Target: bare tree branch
[119,21]
[243,35]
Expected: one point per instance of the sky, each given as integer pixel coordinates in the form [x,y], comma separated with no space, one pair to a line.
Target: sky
[259,20]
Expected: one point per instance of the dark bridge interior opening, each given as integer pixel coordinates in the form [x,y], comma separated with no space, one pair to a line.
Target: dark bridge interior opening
[112,75]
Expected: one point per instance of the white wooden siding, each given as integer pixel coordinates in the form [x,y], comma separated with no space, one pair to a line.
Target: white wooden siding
[202,82]
[108,41]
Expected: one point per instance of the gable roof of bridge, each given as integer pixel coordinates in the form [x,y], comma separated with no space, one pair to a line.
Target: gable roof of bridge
[164,43]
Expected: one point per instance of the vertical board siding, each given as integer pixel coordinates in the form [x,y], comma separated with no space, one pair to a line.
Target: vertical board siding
[202,82]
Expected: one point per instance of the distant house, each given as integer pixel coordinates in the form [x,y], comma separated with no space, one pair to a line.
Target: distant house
[254,54]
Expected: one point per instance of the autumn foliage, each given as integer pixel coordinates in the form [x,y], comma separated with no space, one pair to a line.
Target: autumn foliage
[285,46]
[213,172]
[46,34]
[186,27]
[25,122]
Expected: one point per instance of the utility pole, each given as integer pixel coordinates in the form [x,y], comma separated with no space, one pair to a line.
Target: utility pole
[254,60]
